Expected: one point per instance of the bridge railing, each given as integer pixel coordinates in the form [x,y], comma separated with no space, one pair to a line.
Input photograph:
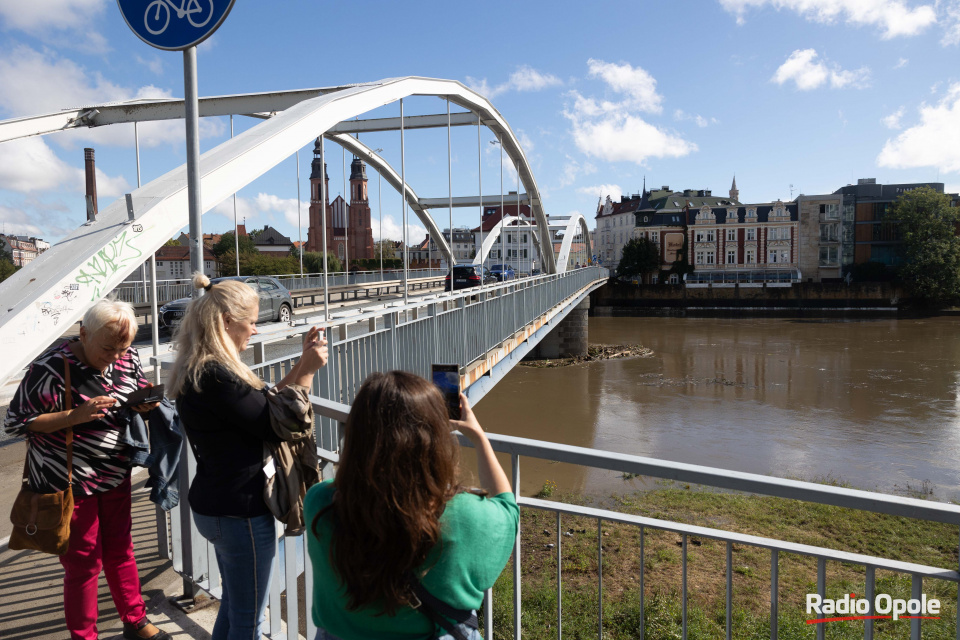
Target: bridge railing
[138,292]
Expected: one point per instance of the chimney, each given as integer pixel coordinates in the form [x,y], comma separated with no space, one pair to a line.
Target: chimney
[91,175]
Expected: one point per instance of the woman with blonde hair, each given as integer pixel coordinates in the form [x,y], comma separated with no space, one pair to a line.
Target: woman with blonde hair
[399,550]
[225,412]
[103,369]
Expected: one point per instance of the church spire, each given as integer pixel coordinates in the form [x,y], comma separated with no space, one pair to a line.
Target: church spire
[734,192]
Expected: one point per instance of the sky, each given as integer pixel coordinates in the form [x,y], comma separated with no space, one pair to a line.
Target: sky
[791,96]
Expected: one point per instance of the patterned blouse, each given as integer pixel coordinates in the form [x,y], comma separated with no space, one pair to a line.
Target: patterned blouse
[100,459]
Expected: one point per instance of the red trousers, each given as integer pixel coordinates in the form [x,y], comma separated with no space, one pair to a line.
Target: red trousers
[100,538]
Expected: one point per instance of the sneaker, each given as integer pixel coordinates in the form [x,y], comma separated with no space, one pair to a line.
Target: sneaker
[135,631]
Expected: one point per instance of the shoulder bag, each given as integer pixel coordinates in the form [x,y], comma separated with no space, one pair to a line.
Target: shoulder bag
[41,521]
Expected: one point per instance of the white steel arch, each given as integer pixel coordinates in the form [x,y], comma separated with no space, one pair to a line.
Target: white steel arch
[493,236]
[569,231]
[62,283]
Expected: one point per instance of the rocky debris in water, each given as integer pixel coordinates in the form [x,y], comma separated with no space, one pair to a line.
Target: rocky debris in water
[594,352]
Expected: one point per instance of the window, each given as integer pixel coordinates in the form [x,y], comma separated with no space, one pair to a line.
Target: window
[700,236]
[772,256]
[655,236]
[731,256]
[830,232]
[829,257]
[751,234]
[710,257]
[784,255]
[340,250]
[830,212]
[674,278]
[710,235]
[751,256]
[700,257]
[731,235]
[159,263]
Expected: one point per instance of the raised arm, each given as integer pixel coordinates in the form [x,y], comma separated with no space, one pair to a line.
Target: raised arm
[492,476]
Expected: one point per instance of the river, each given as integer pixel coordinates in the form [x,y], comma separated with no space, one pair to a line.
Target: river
[871,403]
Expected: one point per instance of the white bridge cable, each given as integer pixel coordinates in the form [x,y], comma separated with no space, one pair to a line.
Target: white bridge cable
[40,301]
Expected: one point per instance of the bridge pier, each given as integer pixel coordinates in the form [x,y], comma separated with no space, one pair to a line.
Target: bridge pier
[568,339]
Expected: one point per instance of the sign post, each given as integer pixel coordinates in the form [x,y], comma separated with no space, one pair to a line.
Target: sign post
[180,25]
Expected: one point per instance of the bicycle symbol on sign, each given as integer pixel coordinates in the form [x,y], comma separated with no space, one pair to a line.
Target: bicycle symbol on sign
[192,10]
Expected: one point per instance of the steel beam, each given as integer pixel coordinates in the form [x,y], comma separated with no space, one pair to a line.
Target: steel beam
[469,201]
[409,122]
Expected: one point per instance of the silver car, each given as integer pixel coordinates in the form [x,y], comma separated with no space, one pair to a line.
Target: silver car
[275,302]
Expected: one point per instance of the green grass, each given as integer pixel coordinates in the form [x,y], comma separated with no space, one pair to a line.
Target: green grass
[831,527]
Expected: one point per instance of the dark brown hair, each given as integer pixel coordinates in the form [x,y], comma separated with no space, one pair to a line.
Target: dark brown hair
[398,468]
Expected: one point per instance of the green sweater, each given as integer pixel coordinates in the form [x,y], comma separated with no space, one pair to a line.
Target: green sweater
[477,536]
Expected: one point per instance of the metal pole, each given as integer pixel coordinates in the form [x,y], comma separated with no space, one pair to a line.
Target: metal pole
[155,322]
[143,275]
[403,202]
[323,227]
[236,230]
[299,214]
[502,212]
[453,254]
[191,106]
[480,187]
[380,207]
[346,213]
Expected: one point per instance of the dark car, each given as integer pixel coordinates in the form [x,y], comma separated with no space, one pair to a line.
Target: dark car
[275,302]
[502,272]
[468,275]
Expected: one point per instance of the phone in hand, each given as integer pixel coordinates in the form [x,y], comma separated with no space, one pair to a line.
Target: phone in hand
[447,378]
[144,395]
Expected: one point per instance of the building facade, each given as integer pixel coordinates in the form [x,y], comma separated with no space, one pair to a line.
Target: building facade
[348,227]
[516,246]
[272,242]
[22,249]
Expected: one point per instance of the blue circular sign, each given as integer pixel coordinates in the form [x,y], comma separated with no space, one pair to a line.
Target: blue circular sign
[174,25]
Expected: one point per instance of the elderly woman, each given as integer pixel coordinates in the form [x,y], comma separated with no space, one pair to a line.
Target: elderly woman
[399,549]
[104,369]
[225,411]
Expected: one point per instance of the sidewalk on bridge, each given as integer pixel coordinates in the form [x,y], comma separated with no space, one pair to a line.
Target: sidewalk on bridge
[31,588]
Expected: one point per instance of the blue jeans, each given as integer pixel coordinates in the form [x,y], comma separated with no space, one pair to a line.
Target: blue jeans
[246,549]
[472,634]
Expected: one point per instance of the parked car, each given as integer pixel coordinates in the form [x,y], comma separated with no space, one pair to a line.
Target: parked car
[275,302]
[536,272]
[502,272]
[468,275]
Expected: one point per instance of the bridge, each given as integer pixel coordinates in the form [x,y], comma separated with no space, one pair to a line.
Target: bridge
[487,330]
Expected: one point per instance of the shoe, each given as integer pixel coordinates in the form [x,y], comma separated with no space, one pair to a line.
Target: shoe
[132,631]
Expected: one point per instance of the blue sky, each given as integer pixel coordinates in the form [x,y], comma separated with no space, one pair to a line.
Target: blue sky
[792,96]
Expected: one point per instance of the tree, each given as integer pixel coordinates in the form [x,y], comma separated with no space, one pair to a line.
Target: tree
[313,262]
[7,268]
[172,242]
[227,244]
[641,256]
[931,248]
[385,247]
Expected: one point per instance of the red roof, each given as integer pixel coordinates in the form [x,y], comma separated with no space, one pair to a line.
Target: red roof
[490,221]
[180,253]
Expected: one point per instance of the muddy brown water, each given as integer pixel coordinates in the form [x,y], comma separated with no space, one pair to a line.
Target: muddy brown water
[872,403]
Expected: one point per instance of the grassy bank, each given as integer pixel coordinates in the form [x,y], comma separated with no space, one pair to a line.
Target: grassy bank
[831,527]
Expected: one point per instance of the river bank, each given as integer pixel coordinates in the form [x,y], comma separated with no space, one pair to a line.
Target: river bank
[831,527]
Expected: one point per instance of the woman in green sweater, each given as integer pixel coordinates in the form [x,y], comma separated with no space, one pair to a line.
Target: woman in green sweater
[395,529]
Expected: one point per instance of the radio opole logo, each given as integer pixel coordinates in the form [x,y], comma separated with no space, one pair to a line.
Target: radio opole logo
[885,607]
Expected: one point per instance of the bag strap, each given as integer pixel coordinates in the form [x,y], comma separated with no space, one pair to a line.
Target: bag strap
[68,402]
[435,609]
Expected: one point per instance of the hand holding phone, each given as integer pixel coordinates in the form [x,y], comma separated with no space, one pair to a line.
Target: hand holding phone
[144,395]
[447,378]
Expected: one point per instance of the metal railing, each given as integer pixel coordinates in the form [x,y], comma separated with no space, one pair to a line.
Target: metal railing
[167,290]
[449,327]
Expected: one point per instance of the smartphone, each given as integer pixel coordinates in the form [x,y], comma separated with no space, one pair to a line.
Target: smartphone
[144,395]
[447,378]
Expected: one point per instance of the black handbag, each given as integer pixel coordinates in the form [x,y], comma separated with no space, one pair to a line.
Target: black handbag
[436,609]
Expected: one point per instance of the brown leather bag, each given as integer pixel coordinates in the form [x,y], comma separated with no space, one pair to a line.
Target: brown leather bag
[41,521]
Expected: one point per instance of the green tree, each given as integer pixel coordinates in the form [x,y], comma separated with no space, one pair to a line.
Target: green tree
[931,247]
[313,262]
[386,248]
[226,244]
[641,257]
[7,268]
[172,242]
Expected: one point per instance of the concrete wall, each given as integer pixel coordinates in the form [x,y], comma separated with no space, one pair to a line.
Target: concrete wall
[568,339]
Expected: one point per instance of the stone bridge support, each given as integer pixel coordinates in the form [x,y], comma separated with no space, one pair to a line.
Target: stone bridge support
[568,339]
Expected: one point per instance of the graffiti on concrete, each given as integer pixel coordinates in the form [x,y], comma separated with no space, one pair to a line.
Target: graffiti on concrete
[106,262]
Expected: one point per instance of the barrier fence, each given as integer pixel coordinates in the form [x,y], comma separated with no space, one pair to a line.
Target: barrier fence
[462,327]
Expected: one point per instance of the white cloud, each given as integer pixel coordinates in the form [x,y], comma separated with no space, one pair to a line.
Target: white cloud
[265,206]
[639,86]
[681,115]
[612,130]
[49,20]
[892,121]
[893,17]
[392,229]
[934,142]
[525,78]
[901,63]
[17,222]
[808,72]
[951,35]
[28,165]
[46,84]
[154,64]
[602,191]
[572,170]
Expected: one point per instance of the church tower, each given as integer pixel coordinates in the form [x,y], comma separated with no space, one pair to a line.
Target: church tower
[734,192]
[318,171]
[360,230]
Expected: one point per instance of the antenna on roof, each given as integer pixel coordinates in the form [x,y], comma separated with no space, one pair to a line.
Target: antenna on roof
[791,191]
